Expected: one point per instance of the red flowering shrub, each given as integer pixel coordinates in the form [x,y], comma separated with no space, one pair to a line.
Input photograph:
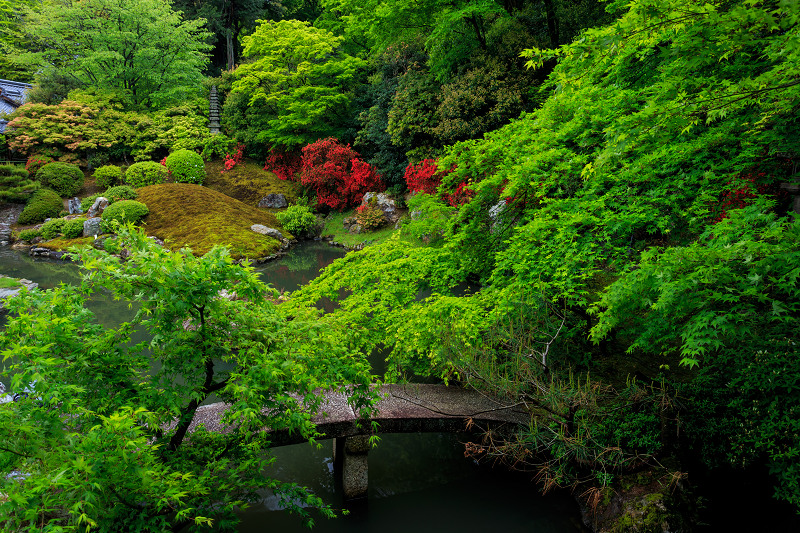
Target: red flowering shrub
[285,165]
[35,162]
[426,177]
[741,191]
[336,174]
[231,160]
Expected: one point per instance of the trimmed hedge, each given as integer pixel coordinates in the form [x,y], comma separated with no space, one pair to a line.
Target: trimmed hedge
[108,176]
[64,178]
[28,235]
[296,219]
[145,173]
[125,211]
[73,228]
[45,203]
[52,228]
[186,166]
[120,192]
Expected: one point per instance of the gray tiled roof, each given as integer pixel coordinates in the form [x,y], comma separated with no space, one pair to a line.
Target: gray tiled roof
[12,95]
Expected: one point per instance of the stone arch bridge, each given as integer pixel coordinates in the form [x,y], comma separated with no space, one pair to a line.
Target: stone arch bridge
[403,409]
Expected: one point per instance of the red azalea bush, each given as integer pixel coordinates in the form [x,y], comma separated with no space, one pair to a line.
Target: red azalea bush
[336,174]
[742,190]
[35,162]
[285,165]
[426,177]
[231,160]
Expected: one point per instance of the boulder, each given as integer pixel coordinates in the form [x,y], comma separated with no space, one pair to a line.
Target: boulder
[74,206]
[385,203]
[99,205]
[355,228]
[349,221]
[269,232]
[273,201]
[92,226]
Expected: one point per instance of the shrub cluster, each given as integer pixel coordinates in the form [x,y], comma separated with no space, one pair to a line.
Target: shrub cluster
[28,235]
[120,192]
[296,219]
[44,203]
[125,211]
[108,176]
[370,216]
[15,184]
[64,178]
[186,166]
[145,173]
[52,228]
[73,228]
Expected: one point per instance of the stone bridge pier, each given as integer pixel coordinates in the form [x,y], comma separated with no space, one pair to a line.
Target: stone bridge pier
[350,465]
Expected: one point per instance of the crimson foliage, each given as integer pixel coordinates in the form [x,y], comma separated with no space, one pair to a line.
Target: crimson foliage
[336,174]
[285,165]
[426,177]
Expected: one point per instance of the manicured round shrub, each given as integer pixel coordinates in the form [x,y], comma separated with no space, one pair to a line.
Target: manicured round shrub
[120,192]
[64,178]
[28,235]
[125,211]
[145,173]
[44,203]
[12,170]
[296,219]
[15,184]
[108,176]
[73,228]
[52,228]
[186,166]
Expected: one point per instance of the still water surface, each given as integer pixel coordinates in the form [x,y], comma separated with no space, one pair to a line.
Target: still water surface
[417,482]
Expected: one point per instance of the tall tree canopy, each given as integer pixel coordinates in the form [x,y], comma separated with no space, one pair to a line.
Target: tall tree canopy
[294,88]
[142,49]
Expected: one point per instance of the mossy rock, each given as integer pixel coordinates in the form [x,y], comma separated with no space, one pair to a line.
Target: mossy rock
[184,215]
[248,182]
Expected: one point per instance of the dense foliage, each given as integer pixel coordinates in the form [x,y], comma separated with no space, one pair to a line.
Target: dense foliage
[297,219]
[293,90]
[124,454]
[598,213]
[142,51]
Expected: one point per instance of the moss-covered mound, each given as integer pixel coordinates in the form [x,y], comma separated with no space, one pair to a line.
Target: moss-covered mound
[247,182]
[186,215]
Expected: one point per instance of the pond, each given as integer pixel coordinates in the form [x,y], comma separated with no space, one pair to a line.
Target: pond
[419,482]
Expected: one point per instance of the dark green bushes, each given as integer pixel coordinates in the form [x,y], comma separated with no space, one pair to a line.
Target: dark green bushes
[146,173]
[64,178]
[45,203]
[73,229]
[186,166]
[52,228]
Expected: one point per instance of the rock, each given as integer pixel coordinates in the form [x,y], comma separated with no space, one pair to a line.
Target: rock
[495,211]
[92,226]
[99,205]
[273,201]
[385,203]
[269,232]
[13,291]
[5,234]
[355,228]
[74,206]
[416,215]
[349,221]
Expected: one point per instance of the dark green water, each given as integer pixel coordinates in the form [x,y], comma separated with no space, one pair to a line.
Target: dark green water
[417,482]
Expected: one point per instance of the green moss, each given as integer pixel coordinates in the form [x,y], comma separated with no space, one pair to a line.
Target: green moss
[62,243]
[9,283]
[248,182]
[186,215]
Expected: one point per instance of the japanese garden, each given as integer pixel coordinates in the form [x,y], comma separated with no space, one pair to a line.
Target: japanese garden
[560,237]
